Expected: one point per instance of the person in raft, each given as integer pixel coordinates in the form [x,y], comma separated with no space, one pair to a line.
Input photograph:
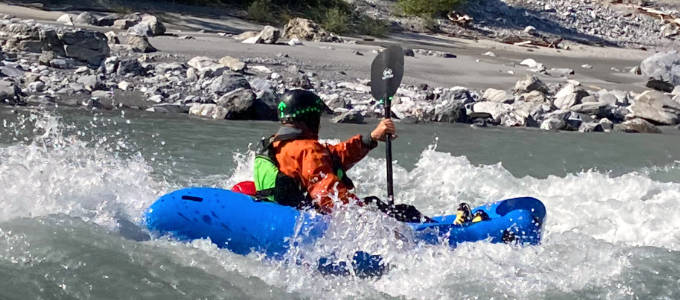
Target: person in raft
[293,168]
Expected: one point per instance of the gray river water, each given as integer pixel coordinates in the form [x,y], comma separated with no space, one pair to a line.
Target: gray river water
[75,184]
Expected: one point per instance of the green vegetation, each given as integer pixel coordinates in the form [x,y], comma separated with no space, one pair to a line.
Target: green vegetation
[370,26]
[430,8]
[336,20]
[260,10]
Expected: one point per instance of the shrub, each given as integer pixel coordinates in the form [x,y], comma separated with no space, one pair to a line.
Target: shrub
[336,20]
[370,26]
[427,7]
[261,11]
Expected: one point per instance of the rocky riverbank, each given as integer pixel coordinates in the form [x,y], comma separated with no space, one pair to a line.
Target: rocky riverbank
[44,64]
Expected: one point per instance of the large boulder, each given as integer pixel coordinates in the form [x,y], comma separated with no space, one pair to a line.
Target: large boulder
[270,35]
[664,66]
[84,45]
[452,106]
[140,29]
[531,83]
[656,107]
[212,111]
[305,29]
[637,125]
[238,103]
[228,82]
[65,19]
[490,109]
[569,96]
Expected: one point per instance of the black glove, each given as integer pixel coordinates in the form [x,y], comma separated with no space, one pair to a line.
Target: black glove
[401,212]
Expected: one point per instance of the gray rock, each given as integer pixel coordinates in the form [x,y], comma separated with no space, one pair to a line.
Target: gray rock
[528,113]
[212,111]
[305,29]
[265,107]
[155,25]
[206,67]
[192,74]
[88,46]
[130,66]
[112,38]
[11,71]
[140,29]
[101,95]
[46,57]
[85,18]
[664,66]
[500,96]
[656,107]
[607,125]
[351,117]
[111,64]
[533,96]
[140,44]
[450,111]
[123,24]
[270,35]
[553,123]
[486,109]
[409,52]
[163,68]
[106,20]
[573,121]
[169,108]
[90,82]
[637,125]
[233,64]
[335,101]
[676,90]
[302,82]
[9,93]
[239,104]
[560,72]
[590,108]
[156,98]
[62,63]
[660,85]
[124,85]
[65,19]
[531,83]
[591,127]
[228,82]
[569,96]
[36,87]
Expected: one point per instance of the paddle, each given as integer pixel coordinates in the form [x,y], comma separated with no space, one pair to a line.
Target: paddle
[387,71]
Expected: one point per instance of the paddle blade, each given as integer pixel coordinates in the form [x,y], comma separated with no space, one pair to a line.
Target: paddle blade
[387,70]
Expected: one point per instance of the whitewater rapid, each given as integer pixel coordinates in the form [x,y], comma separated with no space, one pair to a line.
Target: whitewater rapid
[69,197]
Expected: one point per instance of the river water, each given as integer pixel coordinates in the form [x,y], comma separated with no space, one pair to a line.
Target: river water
[75,184]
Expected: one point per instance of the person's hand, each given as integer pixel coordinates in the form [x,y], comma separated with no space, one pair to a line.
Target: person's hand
[385,127]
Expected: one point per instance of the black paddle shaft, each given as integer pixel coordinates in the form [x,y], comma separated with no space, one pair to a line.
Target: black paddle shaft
[387,70]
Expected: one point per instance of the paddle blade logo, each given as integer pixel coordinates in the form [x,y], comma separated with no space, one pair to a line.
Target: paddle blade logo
[387,74]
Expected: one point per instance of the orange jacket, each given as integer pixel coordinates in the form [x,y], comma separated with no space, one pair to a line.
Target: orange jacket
[311,163]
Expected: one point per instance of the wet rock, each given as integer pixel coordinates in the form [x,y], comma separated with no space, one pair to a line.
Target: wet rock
[590,127]
[637,125]
[85,18]
[305,29]
[553,123]
[228,82]
[212,111]
[270,35]
[140,44]
[660,85]
[232,63]
[569,96]
[9,93]
[495,95]
[351,117]
[90,82]
[529,84]
[66,19]
[664,66]
[130,66]
[656,107]
[238,103]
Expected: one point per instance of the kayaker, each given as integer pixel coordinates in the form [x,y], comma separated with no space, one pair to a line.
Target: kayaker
[293,168]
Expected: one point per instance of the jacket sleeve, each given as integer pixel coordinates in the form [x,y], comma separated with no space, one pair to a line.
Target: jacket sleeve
[321,182]
[352,150]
